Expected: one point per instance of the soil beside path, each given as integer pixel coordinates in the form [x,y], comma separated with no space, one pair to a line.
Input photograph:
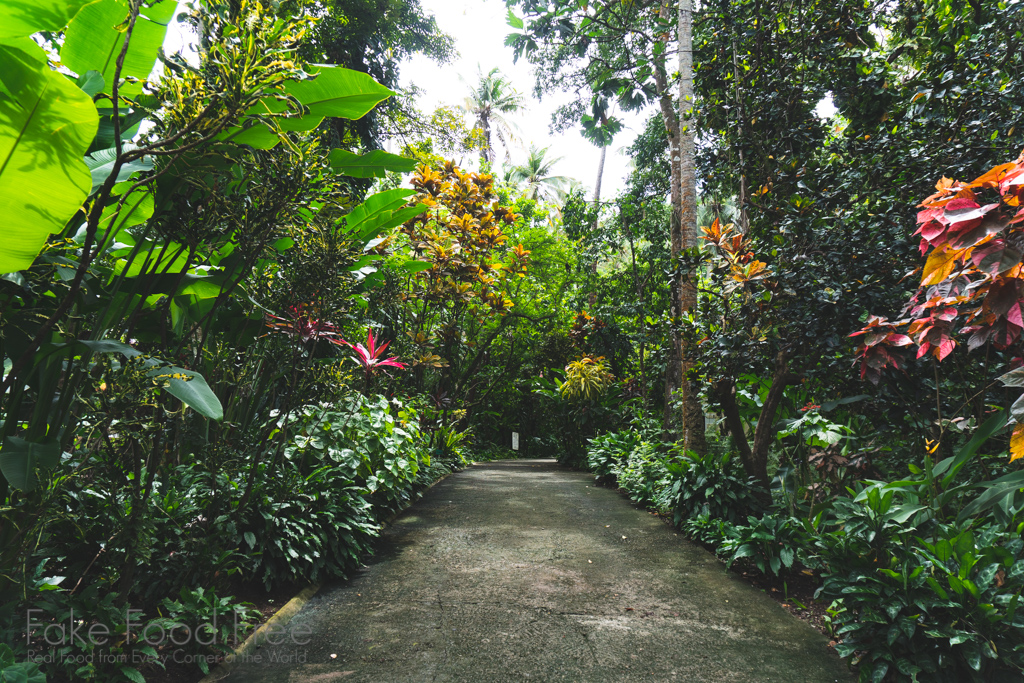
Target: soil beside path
[522,569]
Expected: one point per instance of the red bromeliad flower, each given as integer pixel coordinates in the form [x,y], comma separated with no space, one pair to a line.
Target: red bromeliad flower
[301,324]
[369,357]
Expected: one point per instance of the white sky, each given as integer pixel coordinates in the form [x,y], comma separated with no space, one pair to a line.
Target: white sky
[479,28]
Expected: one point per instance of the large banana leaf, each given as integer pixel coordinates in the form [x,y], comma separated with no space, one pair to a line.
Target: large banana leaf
[101,165]
[46,124]
[336,91]
[22,18]
[380,212]
[96,34]
[370,165]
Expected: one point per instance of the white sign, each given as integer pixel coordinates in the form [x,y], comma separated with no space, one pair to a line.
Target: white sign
[515,441]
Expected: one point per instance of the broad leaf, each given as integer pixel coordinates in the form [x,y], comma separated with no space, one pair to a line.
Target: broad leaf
[1017,442]
[22,18]
[191,388]
[96,346]
[995,257]
[336,92]
[380,212]
[95,37]
[371,165]
[91,83]
[987,429]
[1014,378]
[101,165]
[20,458]
[939,265]
[46,124]
[995,491]
[414,266]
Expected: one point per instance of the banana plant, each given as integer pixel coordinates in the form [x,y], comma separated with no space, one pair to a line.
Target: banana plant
[95,265]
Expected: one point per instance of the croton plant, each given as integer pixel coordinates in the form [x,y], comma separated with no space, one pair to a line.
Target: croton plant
[972,281]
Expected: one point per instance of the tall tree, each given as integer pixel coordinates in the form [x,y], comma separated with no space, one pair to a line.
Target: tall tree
[600,128]
[492,97]
[623,50]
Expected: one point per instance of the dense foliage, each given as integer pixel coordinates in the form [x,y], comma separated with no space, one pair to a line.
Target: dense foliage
[238,336]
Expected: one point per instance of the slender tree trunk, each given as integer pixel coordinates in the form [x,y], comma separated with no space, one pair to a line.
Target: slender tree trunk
[597,211]
[487,153]
[668,114]
[742,219]
[684,235]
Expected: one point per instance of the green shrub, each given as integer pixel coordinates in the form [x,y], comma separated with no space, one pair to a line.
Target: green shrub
[373,449]
[770,543]
[645,477]
[918,600]
[706,530]
[23,672]
[711,486]
[492,451]
[607,453]
[308,528]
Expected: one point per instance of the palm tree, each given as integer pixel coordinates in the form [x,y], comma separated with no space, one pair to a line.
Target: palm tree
[600,128]
[536,174]
[493,96]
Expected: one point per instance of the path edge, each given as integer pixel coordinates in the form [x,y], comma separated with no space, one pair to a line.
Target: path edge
[292,607]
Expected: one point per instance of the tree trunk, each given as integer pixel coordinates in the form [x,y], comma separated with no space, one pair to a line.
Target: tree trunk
[693,412]
[487,153]
[668,115]
[742,220]
[755,457]
[597,187]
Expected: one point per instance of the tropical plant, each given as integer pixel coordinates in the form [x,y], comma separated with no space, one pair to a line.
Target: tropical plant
[461,276]
[972,263]
[536,174]
[600,128]
[586,379]
[771,543]
[711,486]
[369,359]
[492,97]
[606,453]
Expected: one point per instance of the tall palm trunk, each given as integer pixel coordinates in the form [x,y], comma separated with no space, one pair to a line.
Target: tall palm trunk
[487,153]
[682,224]
[693,412]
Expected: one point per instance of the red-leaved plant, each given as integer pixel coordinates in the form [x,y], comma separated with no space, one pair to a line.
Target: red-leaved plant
[301,325]
[369,357]
[972,283]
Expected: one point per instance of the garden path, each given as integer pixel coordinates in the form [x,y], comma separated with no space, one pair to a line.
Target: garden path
[519,570]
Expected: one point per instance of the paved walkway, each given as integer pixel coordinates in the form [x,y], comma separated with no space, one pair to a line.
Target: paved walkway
[522,570]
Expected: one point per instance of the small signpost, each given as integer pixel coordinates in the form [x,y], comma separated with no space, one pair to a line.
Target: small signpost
[515,441]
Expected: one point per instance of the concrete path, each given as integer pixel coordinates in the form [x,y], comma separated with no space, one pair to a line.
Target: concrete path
[522,570]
